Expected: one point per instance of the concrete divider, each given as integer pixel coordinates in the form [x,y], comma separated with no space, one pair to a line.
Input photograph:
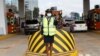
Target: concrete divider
[64,44]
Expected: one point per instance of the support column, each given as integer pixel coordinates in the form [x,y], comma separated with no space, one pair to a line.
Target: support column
[86,6]
[21,8]
[3,24]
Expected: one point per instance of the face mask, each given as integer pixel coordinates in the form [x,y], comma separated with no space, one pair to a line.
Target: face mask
[49,14]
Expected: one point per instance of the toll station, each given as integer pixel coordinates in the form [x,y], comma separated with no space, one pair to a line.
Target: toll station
[67,43]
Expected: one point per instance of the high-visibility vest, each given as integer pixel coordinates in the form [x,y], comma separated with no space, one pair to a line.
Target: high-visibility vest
[49,27]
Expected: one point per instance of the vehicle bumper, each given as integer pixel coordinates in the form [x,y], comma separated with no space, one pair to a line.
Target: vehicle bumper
[31,30]
[80,29]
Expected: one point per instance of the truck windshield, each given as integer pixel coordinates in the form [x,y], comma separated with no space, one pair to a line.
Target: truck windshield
[31,22]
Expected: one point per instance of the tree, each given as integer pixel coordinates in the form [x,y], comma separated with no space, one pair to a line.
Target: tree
[36,12]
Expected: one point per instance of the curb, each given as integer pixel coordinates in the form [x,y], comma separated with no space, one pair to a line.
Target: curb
[3,37]
[98,32]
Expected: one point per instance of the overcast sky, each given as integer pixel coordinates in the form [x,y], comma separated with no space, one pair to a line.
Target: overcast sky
[66,5]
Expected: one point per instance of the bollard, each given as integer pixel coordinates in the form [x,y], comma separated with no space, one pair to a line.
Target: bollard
[64,44]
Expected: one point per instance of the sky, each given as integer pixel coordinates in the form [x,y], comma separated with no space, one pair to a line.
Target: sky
[66,6]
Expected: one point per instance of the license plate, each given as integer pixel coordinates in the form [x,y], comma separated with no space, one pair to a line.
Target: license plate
[80,25]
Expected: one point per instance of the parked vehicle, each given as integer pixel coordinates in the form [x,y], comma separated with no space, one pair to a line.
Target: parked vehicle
[78,26]
[31,26]
[93,19]
[67,22]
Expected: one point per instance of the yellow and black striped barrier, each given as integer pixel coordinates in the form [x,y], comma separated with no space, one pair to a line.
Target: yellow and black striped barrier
[64,44]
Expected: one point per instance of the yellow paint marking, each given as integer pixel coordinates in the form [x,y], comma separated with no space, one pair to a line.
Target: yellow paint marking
[65,39]
[73,38]
[35,42]
[33,38]
[39,45]
[43,49]
[57,48]
[3,37]
[61,43]
[29,38]
[68,36]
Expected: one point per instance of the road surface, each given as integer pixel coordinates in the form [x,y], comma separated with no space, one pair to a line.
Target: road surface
[88,44]
[15,46]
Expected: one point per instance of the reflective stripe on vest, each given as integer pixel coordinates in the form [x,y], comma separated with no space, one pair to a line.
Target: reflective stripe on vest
[49,29]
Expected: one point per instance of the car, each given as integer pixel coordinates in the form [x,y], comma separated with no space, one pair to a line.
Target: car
[67,22]
[31,26]
[78,26]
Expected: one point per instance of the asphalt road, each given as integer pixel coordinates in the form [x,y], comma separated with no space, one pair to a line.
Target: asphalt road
[15,46]
[87,43]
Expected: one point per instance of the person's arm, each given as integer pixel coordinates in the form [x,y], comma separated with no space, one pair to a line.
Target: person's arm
[55,22]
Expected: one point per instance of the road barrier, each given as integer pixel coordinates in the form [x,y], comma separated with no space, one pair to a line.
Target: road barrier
[64,44]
